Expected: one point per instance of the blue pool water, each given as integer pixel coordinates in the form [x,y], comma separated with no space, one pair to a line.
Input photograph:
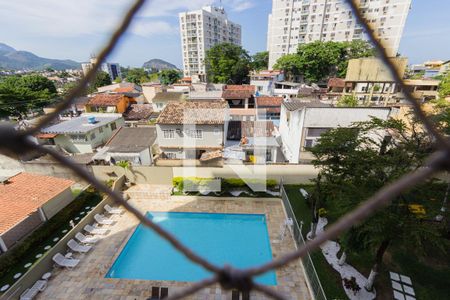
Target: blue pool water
[238,239]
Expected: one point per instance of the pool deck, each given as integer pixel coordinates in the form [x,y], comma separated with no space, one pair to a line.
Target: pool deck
[87,280]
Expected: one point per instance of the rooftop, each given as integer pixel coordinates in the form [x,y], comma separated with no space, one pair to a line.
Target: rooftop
[269,101]
[168,96]
[194,112]
[138,112]
[205,95]
[237,94]
[106,99]
[132,139]
[81,123]
[295,104]
[24,193]
[237,87]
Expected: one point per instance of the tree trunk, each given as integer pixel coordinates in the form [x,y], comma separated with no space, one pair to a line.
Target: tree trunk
[312,234]
[378,261]
[342,259]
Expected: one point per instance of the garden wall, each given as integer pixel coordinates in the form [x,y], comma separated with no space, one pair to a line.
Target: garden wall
[45,264]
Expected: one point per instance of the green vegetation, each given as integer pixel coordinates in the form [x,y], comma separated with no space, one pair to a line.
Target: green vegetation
[318,61]
[444,87]
[168,77]
[227,184]
[21,94]
[260,61]
[348,101]
[101,79]
[13,261]
[228,63]
[136,75]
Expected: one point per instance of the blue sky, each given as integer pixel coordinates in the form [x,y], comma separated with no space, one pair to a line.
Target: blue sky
[75,29]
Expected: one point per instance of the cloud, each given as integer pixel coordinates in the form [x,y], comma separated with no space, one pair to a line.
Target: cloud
[241,5]
[148,28]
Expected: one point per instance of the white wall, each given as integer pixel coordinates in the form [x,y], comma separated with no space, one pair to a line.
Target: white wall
[291,133]
[211,138]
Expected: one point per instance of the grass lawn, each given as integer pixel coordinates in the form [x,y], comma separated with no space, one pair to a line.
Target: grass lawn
[430,276]
[329,278]
[42,239]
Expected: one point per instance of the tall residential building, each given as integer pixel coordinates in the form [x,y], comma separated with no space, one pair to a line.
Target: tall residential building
[201,30]
[113,69]
[296,22]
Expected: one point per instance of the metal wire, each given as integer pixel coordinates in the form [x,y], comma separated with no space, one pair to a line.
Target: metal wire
[14,142]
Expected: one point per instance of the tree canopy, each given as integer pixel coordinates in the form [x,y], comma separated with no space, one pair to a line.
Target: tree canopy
[444,87]
[260,61]
[228,63]
[136,75]
[318,60]
[20,94]
[347,101]
[168,77]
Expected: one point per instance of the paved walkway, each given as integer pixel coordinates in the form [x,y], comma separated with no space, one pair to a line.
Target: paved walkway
[87,280]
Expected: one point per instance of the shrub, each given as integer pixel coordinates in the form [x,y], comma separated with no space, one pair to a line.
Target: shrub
[322,212]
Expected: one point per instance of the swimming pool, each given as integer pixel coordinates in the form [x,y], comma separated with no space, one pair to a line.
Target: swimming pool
[241,240]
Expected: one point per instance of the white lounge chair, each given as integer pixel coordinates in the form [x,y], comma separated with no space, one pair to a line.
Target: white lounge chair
[75,247]
[62,261]
[94,230]
[37,287]
[86,239]
[100,219]
[304,193]
[113,210]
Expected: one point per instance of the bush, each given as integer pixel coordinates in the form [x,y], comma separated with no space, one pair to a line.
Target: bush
[180,183]
[14,255]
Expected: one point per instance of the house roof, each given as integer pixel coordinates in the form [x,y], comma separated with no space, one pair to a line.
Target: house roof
[336,82]
[131,139]
[201,95]
[237,94]
[269,101]
[138,112]
[299,104]
[168,96]
[127,89]
[81,124]
[106,99]
[194,112]
[245,87]
[24,193]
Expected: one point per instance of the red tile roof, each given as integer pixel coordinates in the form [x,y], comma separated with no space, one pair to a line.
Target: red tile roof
[236,94]
[127,89]
[194,112]
[269,101]
[106,99]
[236,87]
[24,193]
[336,82]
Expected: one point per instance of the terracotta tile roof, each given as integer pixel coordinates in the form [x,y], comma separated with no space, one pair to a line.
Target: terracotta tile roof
[336,82]
[194,112]
[168,96]
[236,87]
[237,94]
[211,155]
[106,99]
[46,135]
[138,112]
[269,101]
[24,193]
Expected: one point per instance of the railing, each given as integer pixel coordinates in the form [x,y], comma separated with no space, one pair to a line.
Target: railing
[313,280]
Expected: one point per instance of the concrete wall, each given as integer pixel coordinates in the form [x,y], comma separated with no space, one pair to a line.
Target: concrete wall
[332,117]
[137,174]
[45,263]
[53,206]
[54,169]
[291,132]
[25,227]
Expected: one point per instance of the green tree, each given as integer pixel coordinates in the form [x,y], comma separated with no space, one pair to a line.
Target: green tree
[102,79]
[356,162]
[20,94]
[136,76]
[351,50]
[260,61]
[347,101]
[228,63]
[168,77]
[290,64]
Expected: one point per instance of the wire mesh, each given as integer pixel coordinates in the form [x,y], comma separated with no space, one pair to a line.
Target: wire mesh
[14,143]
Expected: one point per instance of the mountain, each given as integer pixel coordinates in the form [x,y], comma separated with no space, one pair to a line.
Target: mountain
[157,65]
[11,59]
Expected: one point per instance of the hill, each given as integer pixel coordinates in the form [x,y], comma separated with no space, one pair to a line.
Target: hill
[157,65]
[12,59]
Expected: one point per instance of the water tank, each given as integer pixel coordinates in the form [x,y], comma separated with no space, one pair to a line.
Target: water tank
[91,120]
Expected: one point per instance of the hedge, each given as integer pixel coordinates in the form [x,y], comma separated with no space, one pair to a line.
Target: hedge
[12,257]
[226,183]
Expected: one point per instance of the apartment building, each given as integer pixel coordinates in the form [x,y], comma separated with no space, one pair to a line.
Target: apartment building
[113,69]
[296,22]
[200,30]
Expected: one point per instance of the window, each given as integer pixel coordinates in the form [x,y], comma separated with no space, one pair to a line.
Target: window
[169,134]
[194,133]
[170,155]
[113,126]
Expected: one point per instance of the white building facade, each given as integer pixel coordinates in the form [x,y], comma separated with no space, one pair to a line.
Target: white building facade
[296,22]
[200,30]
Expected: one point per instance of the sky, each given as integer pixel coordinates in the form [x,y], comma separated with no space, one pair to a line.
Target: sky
[68,29]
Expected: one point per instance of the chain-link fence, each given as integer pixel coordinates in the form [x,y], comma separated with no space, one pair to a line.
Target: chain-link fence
[14,143]
[313,280]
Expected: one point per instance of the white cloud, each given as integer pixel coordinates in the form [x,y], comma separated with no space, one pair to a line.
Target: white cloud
[241,5]
[147,28]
